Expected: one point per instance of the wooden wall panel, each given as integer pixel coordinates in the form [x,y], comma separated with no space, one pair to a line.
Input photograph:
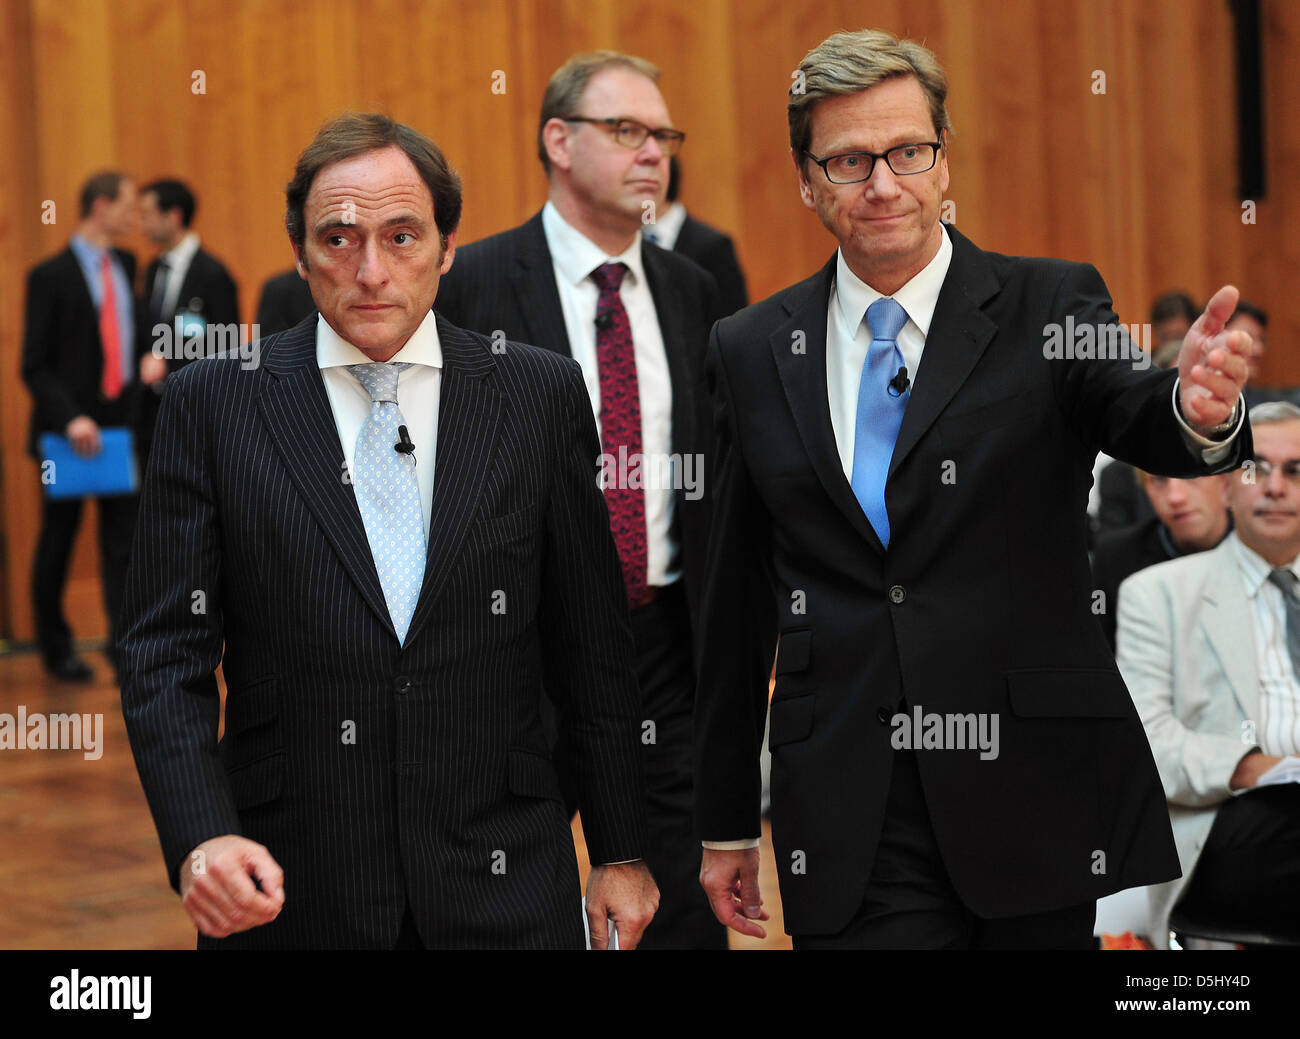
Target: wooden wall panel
[1140,181]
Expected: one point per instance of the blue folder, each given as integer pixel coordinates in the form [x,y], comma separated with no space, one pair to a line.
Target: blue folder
[66,474]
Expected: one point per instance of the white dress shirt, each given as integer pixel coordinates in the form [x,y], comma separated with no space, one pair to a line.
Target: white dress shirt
[667,226]
[178,261]
[574,256]
[1279,686]
[847,340]
[417,397]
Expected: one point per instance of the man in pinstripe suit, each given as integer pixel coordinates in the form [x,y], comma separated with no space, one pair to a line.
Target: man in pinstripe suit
[381,782]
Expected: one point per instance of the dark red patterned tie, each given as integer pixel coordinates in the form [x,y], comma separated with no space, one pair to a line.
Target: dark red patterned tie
[620,427]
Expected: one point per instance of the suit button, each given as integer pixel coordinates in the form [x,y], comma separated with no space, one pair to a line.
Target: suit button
[896,594]
[402,683]
[883,714]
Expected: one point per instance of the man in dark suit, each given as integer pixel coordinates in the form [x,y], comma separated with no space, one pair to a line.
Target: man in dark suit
[1187,516]
[578,280]
[84,367]
[674,228]
[285,300]
[904,443]
[186,288]
[381,782]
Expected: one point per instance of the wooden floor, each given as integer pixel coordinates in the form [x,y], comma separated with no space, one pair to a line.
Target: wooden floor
[81,868]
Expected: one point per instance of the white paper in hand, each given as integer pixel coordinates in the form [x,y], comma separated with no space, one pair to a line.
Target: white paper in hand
[586,930]
[1285,771]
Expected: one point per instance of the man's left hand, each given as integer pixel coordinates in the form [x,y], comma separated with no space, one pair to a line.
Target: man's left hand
[625,893]
[1212,365]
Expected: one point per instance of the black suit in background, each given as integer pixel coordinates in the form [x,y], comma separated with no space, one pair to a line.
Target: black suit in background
[286,300]
[445,805]
[1123,501]
[1121,553]
[207,291]
[980,605]
[63,366]
[716,253]
[506,284]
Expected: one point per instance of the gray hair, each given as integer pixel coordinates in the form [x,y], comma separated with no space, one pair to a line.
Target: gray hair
[1274,411]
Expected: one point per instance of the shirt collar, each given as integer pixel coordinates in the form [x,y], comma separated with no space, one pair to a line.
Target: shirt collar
[85,249]
[575,255]
[424,346]
[1254,567]
[668,225]
[918,297]
[183,251]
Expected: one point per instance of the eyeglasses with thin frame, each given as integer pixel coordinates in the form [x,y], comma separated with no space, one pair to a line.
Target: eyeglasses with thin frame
[902,160]
[631,134]
[1290,470]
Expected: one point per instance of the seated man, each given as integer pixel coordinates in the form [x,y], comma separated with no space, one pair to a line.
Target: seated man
[1209,647]
[1189,516]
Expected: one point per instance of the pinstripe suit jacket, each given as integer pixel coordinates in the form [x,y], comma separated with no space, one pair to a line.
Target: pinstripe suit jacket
[378,774]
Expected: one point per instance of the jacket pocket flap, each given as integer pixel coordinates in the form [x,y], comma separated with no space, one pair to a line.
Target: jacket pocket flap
[790,720]
[532,775]
[794,651]
[1068,693]
[258,782]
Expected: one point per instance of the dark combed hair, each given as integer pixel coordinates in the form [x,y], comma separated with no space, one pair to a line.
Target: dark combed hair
[1172,305]
[172,194]
[105,184]
[356,133]
[1251,310]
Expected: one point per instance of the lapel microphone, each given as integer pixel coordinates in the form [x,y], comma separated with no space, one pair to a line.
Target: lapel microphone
[899,383]
[603,319]
[404,446]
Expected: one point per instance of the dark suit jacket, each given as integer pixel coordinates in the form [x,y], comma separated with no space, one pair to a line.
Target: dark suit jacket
[63,358]
[446,796]
[1119,554]
[506,284]
[208,290]
[981,603]
[715,252]
[1123,501]
[286,300]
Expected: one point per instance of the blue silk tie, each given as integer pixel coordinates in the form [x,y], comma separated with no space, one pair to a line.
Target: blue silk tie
[880,412]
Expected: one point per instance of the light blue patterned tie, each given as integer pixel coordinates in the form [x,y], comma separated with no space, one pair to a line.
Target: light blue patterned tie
[880,412]
[389,495]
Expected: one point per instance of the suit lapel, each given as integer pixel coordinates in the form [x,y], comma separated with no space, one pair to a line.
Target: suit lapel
[533,279]
[1231,632]
[959,334]
[671,321]
[294,405]
[803,377]
[469,412]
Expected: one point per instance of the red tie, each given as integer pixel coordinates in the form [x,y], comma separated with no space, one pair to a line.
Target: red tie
[109,336]
[620,427]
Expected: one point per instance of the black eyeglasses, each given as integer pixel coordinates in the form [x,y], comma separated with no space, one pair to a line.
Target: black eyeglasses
[631,134]
[903,161]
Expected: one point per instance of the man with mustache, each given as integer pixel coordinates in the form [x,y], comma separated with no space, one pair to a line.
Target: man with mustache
[1210,648]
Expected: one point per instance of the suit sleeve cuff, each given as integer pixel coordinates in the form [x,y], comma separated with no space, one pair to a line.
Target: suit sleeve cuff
[742,845]
[1216,448]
